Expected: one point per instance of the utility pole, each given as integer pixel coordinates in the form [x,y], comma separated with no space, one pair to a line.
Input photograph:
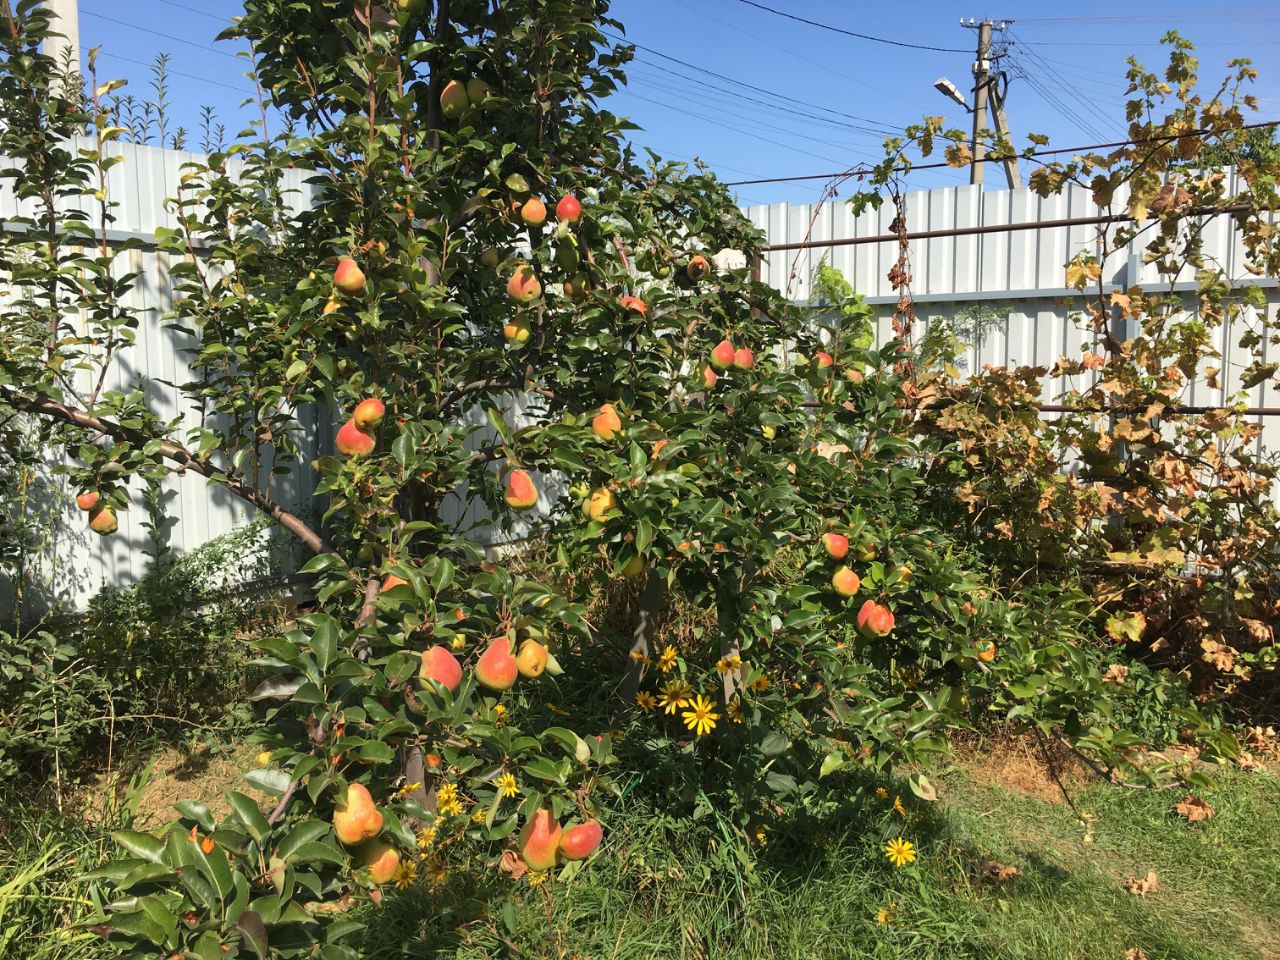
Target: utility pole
[66,21]
[987,92]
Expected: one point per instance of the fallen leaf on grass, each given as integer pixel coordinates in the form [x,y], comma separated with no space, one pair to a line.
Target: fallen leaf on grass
[994,870]
[1135,953]
[1141,886]
[512,864]
[1194,809]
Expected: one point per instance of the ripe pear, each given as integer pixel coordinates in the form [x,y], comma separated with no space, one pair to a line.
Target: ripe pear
[576,287]
[88,500]
[845,582]
[102,520]
[709,378]
[743,358]
[454,100]
[633,567]
[352,441]
[722,355]
[699,266]
[441,665]
[836,545]
[532,659]
[348,277]
[521,494]
[539,842]
[822,360]
[368,413]
[523,286]
[606,424]
[355,818]
[568,209]
[580,841]
[600,503]
[380,859]
[534,212]
[497,669]
[516,332]
[875,620]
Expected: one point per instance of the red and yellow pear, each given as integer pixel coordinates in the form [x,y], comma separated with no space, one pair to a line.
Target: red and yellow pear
[88,500]
[539,842]
[521,494]
[606,424]
[699,266]
[368,413]
[986,651]
[600,504]
[868,552]
[709,378]
[497,669]
[875,620]
[102,520]
[516,331]
[348,277]
[568,209]
[822,360]
[355,817]
[531,661]
[439,664]
[743,358]
[523,287]
[381,860]
[836,545]
[581,840]
[722,355]
[534,212]
[454,100]
[845,581]
[352,441]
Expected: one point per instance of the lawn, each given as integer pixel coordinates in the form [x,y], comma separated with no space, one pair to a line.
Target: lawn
[666,889]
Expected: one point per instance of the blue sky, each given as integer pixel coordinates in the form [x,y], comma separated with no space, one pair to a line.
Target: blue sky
[785,98]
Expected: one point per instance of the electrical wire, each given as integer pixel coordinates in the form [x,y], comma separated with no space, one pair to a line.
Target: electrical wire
[204,13]
[166,36]
[996,158]
[850,33]
[1087,103]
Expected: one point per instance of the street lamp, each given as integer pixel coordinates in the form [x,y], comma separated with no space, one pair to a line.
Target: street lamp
[948,89]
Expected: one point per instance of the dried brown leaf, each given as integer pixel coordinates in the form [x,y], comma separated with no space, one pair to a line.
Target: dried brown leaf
[1141,886]
[1194,809]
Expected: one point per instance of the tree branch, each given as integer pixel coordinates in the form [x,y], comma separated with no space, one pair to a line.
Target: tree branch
[179,454]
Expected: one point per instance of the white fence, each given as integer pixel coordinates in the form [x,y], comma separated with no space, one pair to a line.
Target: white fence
[1020,274]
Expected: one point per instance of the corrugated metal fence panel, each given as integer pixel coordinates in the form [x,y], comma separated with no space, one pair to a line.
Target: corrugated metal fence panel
[1018,275]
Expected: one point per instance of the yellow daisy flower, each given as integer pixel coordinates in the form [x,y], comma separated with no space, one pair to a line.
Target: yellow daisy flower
[639,657]
[536,878]
[725,664]
[437,874]
[900,852]
[646,701]
[882,793]
[701,719]
[405,874]
[478,815]
[760,684]
[675,694]
[507,785]
[426,837]
[447,801]
[898,807]
[735,710]
[667,660]
[407,789]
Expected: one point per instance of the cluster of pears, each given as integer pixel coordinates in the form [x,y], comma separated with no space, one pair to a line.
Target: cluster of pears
[102,519]
[357,822]
[459,96]
[544,842]
[355,437]
[724,355]
[874,619]
[498,667]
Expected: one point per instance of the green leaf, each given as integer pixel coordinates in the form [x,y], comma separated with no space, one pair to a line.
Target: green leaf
[254,932]
[921,787]
[142,845]
[250,815]
[832,762]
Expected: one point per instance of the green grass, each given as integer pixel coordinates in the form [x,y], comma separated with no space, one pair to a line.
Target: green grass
[662,891]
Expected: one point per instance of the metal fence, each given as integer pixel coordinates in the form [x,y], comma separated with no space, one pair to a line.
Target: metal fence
[1018,275]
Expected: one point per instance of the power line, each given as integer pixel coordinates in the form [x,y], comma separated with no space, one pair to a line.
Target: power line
[203,13]
[743,83]
[850,33]
[1084,101]
[991,158]
[166,36]
[179,73]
